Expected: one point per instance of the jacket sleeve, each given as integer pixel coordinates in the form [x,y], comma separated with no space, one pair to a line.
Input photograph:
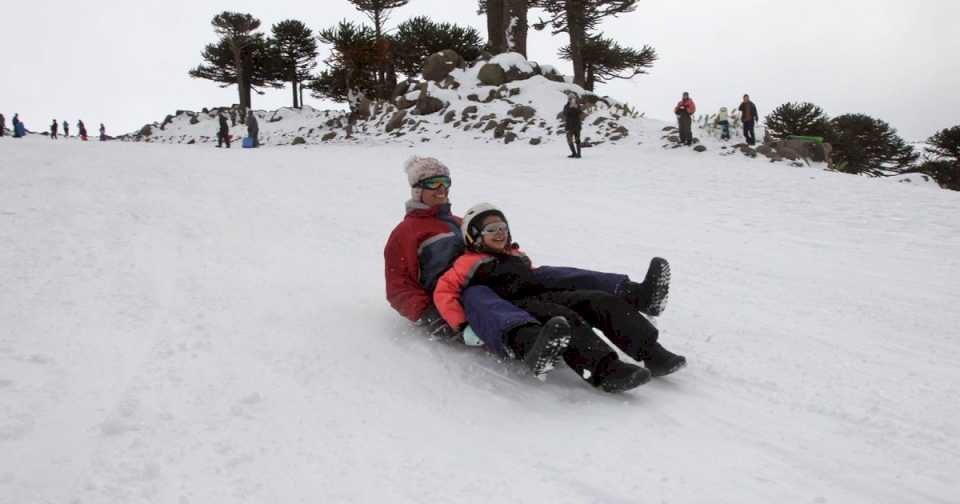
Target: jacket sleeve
[402,270]
[446,296]
[693,107]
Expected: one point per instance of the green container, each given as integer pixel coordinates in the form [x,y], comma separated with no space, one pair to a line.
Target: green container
[814,139]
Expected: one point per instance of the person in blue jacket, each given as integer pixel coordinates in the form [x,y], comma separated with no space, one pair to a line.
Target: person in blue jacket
[19,130]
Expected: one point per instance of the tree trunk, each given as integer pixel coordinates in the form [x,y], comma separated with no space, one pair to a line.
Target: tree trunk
[496,28]
[515,26]
[578,35]
[243,82]
[293,84]
[300,88]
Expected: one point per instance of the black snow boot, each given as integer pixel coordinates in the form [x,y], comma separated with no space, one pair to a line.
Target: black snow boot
[662,362]
[614,376]
[541,347]
[650,297]
[573,151]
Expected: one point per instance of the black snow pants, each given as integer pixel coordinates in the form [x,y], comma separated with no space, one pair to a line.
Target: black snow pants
[748,134]
[621,323]
[684,121]
[573,141]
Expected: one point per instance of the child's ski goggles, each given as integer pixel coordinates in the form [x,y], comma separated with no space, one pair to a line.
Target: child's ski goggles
[433,183]
[494,228]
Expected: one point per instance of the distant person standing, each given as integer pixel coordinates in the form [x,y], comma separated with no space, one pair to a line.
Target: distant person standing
[573,122]
[103,133]
[54,126]
[253,129]
[3,125]
[684,111]
[19,130]
[223,134]
[82,130]
[66,129]
[748,114]
[723,120]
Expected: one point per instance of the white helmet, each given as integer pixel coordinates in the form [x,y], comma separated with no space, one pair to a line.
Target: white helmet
[472,219]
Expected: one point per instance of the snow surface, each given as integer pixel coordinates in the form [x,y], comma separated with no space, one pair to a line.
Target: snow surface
[181,324]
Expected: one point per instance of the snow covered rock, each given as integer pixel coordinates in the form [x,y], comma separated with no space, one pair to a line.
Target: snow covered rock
[439,65]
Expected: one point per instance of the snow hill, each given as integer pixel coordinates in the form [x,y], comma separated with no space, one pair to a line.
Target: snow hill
[181,324]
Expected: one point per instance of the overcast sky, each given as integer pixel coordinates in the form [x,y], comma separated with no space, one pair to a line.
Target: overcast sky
[125,63]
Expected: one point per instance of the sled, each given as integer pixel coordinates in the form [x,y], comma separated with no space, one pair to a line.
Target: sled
[814,139]
[248,143]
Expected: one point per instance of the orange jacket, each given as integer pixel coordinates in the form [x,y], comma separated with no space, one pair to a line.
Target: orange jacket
[446,297]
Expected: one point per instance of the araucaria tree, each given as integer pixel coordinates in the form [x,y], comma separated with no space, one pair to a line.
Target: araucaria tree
[241,56]
[604,60]
[797,119]
[416,39]
[378,11]
[863,144]
[296,55]
[507,24]
[351,67]
[943,158]
[577,18]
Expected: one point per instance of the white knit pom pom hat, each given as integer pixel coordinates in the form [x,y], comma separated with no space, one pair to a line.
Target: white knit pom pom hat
[421,168]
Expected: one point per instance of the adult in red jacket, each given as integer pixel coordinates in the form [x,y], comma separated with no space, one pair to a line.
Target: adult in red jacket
[429,239]
[684,111]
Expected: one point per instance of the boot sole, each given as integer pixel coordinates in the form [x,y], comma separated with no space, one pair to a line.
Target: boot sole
[637,378]
[661,289]
[682,363]
[553,340]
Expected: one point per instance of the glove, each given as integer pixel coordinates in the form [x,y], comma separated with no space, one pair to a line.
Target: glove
[435,325]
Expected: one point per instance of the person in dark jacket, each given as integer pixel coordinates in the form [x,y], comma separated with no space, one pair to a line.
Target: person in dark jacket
[684,111]
[429,239]
[493,259]
[253,128]
[66,129]
[54,126]
[748,114]
[573,121]
[3,125]
[223,134]
[19,129]
[103,133]
[82,130]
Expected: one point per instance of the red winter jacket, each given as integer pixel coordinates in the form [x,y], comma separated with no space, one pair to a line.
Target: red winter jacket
[687,105]
[418,251]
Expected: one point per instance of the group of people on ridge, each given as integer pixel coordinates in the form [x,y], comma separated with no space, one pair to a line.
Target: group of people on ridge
[467,279]
[20,130]
[685,109]
[223,133]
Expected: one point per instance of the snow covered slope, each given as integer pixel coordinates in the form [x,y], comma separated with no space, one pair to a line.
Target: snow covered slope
[180,324]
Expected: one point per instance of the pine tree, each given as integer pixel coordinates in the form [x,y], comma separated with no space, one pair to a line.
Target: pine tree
[797,119]
[352,65]
[604,60]
[296,52]
[577,18]
[943,158]
[241,57]
[507,24]
[862,144]
[416,39]
[378,11]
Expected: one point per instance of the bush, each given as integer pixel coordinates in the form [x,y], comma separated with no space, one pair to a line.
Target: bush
[943,158]
[416,39]
[862,144]
[797,119]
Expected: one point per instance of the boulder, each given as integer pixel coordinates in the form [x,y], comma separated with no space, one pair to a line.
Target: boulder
[472,109]
[194,120]
[700,148]
[400,89]
[298,141]
[428,105]
[524,111]
[449,117]
[439,65]
[536,141]
[509,137]
[492,74]
[551,73]
[396,121]
[329,136]
[146,130]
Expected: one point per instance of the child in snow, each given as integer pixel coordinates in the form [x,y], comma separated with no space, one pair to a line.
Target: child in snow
[492,259]
[723,120]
